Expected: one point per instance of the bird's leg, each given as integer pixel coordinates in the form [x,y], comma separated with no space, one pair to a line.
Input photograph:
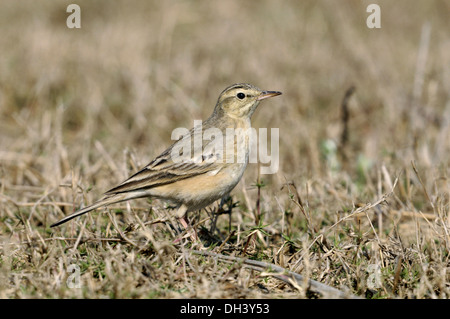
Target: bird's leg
[181,215]
[229,201]
[181,212]
[220,210]
[193,233]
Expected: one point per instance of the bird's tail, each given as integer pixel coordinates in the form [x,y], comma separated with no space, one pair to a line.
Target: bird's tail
[108,200]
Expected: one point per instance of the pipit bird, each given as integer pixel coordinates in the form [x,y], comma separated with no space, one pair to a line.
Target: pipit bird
[194,182]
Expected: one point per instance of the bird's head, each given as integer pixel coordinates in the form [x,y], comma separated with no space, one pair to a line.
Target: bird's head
[241,100]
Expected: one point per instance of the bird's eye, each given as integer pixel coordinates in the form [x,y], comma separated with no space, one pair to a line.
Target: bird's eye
[240,95]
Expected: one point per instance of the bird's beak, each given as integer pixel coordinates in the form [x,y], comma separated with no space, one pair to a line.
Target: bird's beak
[267,94]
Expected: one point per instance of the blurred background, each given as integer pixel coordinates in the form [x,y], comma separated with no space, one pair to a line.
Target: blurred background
[78,101]
[364,112]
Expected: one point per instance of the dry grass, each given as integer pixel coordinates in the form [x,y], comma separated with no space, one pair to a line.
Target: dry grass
[82,109]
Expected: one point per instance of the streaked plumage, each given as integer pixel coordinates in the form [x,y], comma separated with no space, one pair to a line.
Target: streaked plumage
[196,181]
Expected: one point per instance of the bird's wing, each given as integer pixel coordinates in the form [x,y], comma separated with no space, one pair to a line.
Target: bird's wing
[171,166]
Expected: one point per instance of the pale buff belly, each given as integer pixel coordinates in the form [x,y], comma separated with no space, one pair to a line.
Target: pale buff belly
[202,190]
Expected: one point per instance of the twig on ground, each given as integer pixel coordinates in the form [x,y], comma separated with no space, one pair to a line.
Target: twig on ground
[282,274]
